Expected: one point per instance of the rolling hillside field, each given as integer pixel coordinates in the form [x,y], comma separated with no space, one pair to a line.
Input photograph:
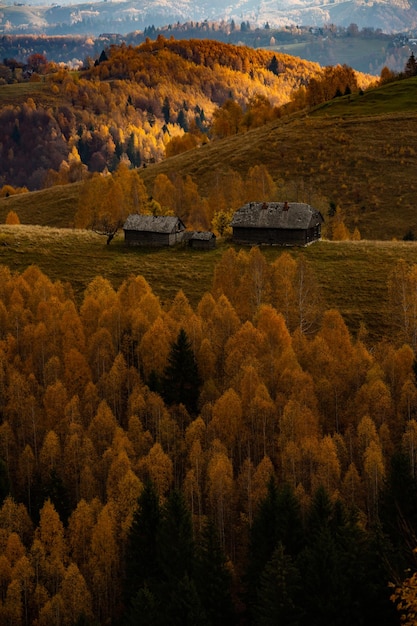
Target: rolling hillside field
[352,275]
[358,152]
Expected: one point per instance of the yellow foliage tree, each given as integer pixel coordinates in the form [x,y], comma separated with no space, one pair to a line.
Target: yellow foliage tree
[12,218]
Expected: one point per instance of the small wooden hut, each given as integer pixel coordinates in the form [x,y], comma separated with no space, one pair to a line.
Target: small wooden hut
[200,240]
[277,223]
[153,230]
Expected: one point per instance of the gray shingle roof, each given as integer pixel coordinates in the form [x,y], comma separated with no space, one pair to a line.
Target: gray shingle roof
[294,215]
[199,235]
[153,223]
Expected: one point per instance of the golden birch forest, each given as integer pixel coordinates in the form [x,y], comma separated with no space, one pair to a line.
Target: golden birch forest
[256,410]
[246,460]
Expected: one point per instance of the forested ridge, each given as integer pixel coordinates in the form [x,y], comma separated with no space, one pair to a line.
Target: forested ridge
[247,461]
[139,104]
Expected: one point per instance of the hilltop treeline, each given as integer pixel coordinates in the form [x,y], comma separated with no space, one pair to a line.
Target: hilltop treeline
[139,103]
[252,442]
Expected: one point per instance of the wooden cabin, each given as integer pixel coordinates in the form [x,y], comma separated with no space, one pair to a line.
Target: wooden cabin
[153,230]
[277,223]
[200,240]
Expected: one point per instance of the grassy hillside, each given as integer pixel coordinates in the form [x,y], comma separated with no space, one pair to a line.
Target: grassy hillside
[359,151]
[352,275]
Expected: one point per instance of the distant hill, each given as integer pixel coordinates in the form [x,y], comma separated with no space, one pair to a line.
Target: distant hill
[131,104]
[366,50]
[122,17]
[357,152]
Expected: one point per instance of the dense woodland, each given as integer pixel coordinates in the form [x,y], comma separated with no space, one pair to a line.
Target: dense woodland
[140,104]
[245,462]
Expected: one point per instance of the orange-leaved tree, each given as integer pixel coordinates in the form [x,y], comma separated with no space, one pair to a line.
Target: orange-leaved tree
[106,201]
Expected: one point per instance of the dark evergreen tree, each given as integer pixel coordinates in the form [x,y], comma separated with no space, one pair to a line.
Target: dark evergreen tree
[279,592]
[166,110]
[277,522]
[337,569]
[274,65]
[378,609]
[411,66]
[177,592]
[175,538]
[182,120]
[213,579]
[4,481]
[142,566]
[332,208]
[409,235]
[55,490]
[144,610]
[103,57]
[398,512]
[181,380]
[16,133]
[132,153]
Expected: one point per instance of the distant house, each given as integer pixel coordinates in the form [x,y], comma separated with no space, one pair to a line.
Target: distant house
[200,240]
[153,230]
[277,223]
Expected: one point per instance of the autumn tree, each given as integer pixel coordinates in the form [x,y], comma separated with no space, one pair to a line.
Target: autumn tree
[259,184]
[106,201]
[227,119]
[12,218]
[404,596]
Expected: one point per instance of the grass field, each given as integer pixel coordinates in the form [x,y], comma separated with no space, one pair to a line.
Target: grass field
[352,275]
[16,93]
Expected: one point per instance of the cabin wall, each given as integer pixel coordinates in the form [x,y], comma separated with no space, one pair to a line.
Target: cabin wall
[271,236]
[139,238]
[202,244]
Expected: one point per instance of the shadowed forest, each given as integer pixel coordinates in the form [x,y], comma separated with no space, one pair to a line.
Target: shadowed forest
[247,461]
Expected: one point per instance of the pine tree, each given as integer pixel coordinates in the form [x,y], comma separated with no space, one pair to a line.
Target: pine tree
[213,578]
[279,591]
[398,511]
[336,567]
[176,592]
[142,567]
[181,379]
[166,110]
[277,522]
[274,65]
[411,66]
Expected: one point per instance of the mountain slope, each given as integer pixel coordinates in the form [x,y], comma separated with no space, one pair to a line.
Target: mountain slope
[357,152]
[122,17]
[132,104]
